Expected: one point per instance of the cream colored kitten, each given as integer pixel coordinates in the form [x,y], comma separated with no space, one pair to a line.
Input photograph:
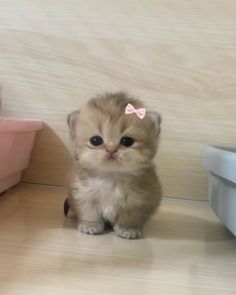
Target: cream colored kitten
[114,178]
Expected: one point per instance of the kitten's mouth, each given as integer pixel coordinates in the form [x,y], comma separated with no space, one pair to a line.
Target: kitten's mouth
[112,158]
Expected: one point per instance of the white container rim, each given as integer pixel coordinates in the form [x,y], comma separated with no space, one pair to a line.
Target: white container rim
[221,161]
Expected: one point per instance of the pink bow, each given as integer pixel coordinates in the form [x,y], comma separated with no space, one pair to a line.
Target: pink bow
[130,109]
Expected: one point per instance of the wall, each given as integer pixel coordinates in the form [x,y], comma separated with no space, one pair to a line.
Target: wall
[178,56]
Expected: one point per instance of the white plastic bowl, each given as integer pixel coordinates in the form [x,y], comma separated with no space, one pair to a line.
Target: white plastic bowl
[16,142]
[221,163]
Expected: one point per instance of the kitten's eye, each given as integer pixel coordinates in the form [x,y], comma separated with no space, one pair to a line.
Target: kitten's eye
[96,140]
[127,141]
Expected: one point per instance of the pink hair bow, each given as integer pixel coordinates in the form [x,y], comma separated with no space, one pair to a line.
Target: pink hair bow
[130,109]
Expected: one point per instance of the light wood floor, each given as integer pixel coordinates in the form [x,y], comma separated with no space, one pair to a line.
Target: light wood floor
[185,251]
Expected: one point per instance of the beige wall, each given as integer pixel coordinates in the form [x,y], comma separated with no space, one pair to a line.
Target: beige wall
[178,56]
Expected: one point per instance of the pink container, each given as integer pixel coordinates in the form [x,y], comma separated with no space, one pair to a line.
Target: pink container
[16,142]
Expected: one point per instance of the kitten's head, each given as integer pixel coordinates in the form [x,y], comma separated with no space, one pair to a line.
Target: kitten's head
[106,139]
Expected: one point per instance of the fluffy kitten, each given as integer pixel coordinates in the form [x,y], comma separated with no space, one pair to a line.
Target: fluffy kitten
[114,178]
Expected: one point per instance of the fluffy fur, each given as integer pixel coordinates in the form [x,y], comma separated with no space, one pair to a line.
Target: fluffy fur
[125,190]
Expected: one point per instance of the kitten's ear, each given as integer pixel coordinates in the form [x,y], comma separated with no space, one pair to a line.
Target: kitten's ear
[71,120]
[156,119]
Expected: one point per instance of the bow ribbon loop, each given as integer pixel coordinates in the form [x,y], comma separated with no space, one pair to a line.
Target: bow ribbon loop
[130,109]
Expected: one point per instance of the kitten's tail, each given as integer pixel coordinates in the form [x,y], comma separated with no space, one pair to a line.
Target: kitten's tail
[66,207]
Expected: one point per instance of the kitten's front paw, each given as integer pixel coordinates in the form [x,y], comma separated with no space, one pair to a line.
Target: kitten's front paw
[91,228]
[128,233]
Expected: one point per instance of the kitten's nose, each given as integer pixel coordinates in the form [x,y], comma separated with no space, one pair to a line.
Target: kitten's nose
[111,150]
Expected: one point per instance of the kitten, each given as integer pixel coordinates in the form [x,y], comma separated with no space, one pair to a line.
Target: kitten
[114,179]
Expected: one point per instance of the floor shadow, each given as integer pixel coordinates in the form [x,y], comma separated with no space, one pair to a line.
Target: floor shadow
[178,226]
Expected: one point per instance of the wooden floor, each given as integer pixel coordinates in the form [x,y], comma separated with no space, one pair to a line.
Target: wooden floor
[185,251]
